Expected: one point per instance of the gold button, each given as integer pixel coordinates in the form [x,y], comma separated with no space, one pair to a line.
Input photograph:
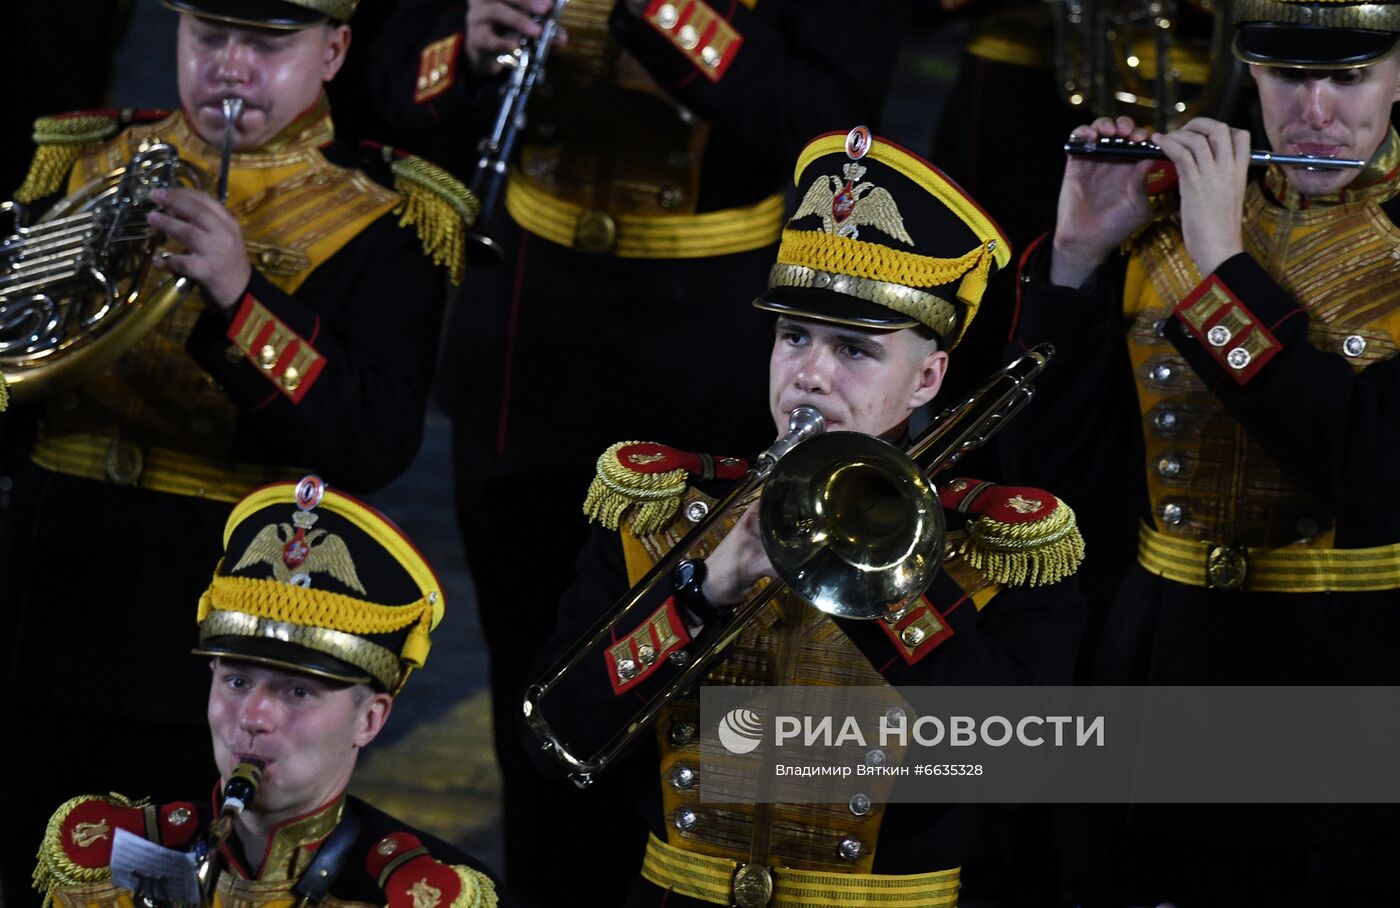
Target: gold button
[270,258]
[912,636]
[595,233]
[291,379]
[124,463]
[646,653]
[267,357]
[688,37]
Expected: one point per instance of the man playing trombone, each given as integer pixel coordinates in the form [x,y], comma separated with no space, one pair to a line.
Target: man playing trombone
[879,272]
[1234,369]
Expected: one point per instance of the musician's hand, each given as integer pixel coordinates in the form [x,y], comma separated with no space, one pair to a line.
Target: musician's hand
[1101,204]
[1212,167]
[214,254]
[495,27]
[737,563]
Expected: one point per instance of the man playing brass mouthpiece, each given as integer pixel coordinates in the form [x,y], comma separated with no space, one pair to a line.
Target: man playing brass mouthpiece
[312,633]
[1229,384]
[878,275]
[309,341]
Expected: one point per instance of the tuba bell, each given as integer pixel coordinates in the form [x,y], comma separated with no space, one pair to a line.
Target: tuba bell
[77,288]
[1140,58]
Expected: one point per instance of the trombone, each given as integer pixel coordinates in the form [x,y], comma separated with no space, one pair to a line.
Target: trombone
[851,524]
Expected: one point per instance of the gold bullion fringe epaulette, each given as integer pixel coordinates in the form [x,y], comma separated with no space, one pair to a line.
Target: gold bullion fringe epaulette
[56,868]
[4,394]
[653,496]
[1026,554]
[59,141]
[650,480]
[1017,536]
[440,206]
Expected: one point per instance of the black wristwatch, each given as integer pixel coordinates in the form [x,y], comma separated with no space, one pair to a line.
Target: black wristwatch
[688,583]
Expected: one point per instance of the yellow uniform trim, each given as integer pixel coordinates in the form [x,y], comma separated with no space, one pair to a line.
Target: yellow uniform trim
[1282,570]
[87,456]
[709,879]
[1000,48]
[667,236]
[931,181]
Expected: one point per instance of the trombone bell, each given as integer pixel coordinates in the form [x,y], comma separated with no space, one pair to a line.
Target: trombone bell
[852,525]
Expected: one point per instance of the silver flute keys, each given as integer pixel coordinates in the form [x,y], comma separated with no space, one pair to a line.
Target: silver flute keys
[1117,148]
[233,109]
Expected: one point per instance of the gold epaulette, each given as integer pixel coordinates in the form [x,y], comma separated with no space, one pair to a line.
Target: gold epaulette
[411,877]
[650,480]
[4,394]
[1017,536]
[77,845]
[59,141]
[440,206]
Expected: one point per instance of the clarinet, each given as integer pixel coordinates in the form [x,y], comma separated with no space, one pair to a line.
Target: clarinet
[526,64]
[239,792]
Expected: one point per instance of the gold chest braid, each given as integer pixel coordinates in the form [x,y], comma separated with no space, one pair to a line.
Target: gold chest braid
[789,643]
[1207,480]
[154,416]
[603,135]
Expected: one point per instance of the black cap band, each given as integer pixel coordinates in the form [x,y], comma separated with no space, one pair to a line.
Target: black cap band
[1311,46]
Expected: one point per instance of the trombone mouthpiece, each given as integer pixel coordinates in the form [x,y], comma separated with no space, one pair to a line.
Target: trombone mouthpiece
[807,420]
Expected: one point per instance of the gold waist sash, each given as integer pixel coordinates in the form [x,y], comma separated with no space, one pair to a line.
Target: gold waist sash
[711,880]
[107,459]
[1292,569]
[639,236]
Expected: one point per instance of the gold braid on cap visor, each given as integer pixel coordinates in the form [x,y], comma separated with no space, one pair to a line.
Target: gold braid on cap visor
[340,619]
[1381,17]
[884,276]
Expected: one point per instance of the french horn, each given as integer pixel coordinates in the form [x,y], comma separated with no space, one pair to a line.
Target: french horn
[77,288]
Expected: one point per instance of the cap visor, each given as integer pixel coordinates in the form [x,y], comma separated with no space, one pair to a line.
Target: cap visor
[281,654]
[836,308]
[1309,46]
[255,13]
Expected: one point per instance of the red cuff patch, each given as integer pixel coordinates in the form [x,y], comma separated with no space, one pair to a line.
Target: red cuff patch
[1227,330]
[285,359]
[917,632]
[631,660]
[437,68]
[693,27]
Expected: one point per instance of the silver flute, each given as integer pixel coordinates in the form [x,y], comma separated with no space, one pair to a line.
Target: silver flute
[1116,148]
